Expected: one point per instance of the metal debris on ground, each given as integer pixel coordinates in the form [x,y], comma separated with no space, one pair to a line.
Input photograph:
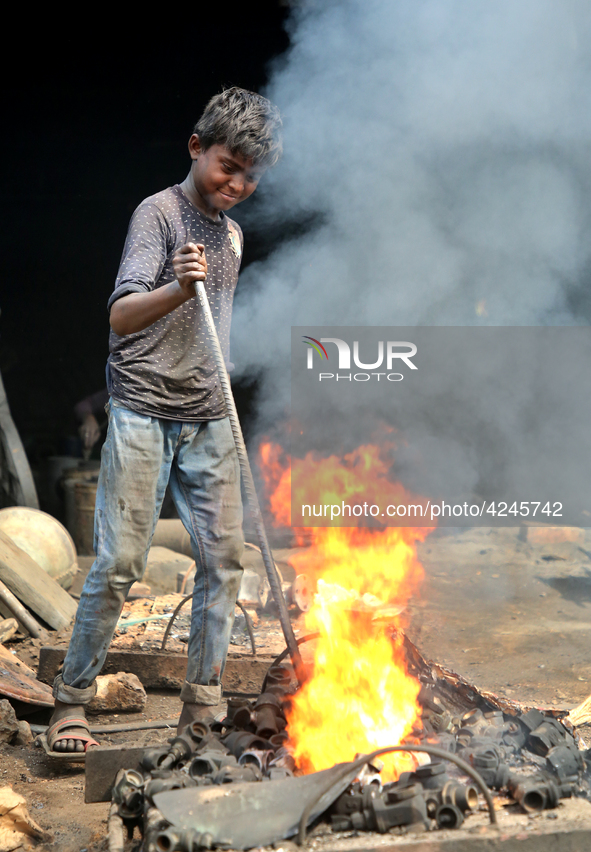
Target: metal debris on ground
[20,682]
[179,796]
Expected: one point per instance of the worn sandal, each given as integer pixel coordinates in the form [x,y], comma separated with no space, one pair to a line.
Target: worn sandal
[77,729]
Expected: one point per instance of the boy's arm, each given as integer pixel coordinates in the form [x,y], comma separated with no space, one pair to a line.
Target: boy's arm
[137,311]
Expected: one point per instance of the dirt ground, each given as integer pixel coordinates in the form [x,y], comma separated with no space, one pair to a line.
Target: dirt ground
[511,615]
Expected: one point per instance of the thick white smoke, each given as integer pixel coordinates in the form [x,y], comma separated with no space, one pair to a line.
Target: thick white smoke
[444,147]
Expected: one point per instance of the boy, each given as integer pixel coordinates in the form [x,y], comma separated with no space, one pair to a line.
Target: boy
[167,419]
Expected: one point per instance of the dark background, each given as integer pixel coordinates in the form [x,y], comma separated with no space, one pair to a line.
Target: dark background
[96,118]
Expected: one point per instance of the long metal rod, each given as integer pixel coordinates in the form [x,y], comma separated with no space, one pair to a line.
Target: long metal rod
[247,478]
[124,727]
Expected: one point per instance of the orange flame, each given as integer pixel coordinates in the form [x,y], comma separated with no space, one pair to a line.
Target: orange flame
[360,696]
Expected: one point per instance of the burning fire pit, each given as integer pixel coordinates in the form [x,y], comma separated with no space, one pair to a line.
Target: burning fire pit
[375,738]
[203,790]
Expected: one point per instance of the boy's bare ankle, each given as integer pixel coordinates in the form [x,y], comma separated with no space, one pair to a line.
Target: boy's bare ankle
[62,711]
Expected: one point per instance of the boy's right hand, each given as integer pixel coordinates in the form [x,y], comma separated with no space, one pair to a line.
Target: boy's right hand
[190,265]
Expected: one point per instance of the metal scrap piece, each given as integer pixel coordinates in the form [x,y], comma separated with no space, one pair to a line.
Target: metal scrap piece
[244,815]
[19,681]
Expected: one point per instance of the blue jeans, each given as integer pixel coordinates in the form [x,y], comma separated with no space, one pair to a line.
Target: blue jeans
[141,455]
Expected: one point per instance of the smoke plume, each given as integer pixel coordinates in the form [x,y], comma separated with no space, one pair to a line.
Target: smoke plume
[437,171]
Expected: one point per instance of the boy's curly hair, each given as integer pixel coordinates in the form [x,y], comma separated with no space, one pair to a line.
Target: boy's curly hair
[244,122]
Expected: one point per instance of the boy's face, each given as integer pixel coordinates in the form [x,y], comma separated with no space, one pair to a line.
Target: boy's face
[220,178]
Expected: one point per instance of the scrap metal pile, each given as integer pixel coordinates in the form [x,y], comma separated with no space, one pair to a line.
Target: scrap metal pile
[203,789]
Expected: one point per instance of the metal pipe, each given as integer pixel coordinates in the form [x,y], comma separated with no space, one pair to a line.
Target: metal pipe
[115,837]
[247,477]
[171,533]
[188,598]
[121,728]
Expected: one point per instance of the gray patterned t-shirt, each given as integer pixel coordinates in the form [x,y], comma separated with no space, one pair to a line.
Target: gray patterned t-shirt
[167,370]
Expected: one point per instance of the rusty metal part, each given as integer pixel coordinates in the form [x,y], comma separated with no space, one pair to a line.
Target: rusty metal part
[153,758]
[237,774]
[128,792]
[531,720]
[414,799]
[257,757]
[172,620]
[463,796]
[238,741]
[432,776]
[279,740]
[430,750]
[154,822]
[115,838]
[399,805]
[208,763]
[268,716]
[181,749]
[449,815]
[199,730]
[19,681]
[242,717]
[300,593]
[168,780]
[195,737]
[248,481]
[175,840]
[248,627]
[188,598]
[283,760]
[277,681]
[547,735]
[490,765]
[566,762]
[234,706]
[536,793]
[481,724]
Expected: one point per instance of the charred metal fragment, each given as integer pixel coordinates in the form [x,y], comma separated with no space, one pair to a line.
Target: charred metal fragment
[548,734]
[566,762]
[233,818]
[537,792]
[128,793]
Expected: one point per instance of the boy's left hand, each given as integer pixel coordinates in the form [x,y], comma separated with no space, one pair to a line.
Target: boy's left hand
[190,265]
